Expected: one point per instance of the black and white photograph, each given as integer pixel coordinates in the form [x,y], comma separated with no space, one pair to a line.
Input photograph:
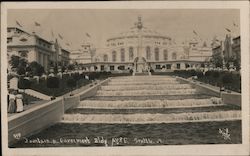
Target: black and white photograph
[142,78]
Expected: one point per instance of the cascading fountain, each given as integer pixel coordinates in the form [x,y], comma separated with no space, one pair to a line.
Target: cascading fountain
[168,110]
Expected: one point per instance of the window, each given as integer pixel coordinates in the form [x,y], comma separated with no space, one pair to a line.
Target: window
[168,66]
[122,55]
[178,66]
[102,67]
[121,67]
[23,53]
[157,66]
[114,56]
[9,40]
[148,53]
[156,54]
[105,58]
[131,53]
[173,56]
[165,53]
[112,67]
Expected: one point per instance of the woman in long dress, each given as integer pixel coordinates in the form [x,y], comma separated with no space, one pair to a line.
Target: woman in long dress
[12,103]
[19,103]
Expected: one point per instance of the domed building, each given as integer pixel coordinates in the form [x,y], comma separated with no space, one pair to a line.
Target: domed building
[141,49]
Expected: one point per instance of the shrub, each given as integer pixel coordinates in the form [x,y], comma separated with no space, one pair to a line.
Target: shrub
[24,83]
[227,78]
[216,74]
[53,82]
[199,74]
[71,83]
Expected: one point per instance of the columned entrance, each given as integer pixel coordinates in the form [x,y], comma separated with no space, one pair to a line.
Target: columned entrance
[140,65]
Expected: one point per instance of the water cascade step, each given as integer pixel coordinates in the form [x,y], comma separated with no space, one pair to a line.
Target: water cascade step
[153,118]
[150,99]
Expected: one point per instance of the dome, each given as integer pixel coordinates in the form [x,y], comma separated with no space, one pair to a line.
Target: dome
[134,32]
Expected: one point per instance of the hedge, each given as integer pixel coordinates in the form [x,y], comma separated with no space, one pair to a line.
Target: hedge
[229,80]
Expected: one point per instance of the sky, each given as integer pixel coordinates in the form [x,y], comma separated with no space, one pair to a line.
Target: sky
[100,24]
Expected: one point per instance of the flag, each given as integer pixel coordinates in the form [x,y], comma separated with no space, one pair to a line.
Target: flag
[37,24]
[52,33]
[195,32]
[228,29]
[88,35]
[60,36]
[235,24]
[18,24]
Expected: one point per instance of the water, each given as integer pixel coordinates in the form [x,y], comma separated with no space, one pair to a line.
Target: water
[153,118]
[99,110]
[160,134]
[148,87]
[143,111]
[145,92]
[150,103]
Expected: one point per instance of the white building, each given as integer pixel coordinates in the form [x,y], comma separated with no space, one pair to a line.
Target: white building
[34,48]
[141,48]
[83,55]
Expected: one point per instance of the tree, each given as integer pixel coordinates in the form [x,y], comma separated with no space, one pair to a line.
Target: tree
[21,71]
[71,67]
[36,68]
[217,60]
[14,61]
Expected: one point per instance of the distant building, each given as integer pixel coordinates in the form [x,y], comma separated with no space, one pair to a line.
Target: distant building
[218,48]
[199,52]
[228,52]
[34,48]
[236,48]
[229,49]
[141,48]
[83,55]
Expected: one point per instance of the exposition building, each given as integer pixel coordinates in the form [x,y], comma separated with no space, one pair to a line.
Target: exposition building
[32,47]
[141,49]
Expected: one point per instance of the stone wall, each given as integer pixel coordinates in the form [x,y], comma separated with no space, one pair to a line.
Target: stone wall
[40,117]
[231,98]
[34,119]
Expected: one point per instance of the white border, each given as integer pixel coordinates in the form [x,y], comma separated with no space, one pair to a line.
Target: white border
[239,149]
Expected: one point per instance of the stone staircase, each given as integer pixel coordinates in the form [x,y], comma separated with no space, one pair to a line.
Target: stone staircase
[150,99]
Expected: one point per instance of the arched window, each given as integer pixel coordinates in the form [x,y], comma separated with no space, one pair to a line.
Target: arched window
[173,56]
[105,58]
[165,54]
[131,53]
[114,56]
[156,54]
[148,53]
[122,55]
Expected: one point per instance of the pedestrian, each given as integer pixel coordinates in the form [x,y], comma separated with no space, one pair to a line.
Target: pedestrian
[12,102]
[19,103]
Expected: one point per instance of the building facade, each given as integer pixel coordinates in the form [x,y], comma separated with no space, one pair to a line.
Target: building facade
[34,48]
[229,50]
[83,55]
[141,49]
